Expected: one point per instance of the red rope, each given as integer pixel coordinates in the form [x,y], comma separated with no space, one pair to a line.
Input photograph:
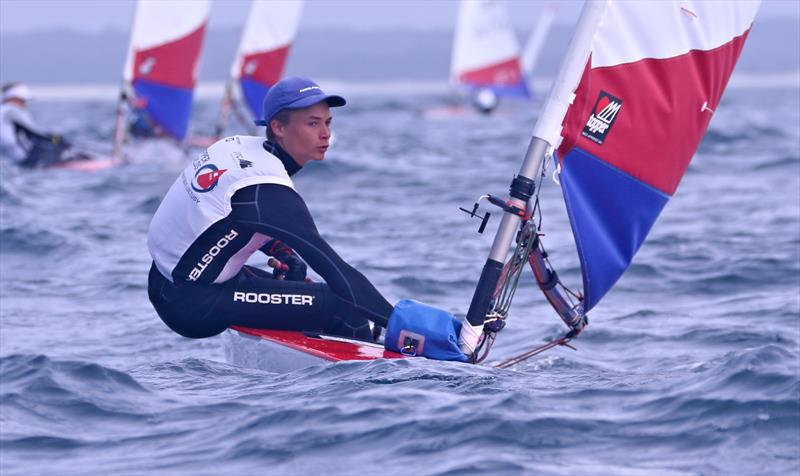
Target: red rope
[527,355]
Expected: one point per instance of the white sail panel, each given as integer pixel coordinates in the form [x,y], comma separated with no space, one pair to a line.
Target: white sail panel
[650,27]
[484,36]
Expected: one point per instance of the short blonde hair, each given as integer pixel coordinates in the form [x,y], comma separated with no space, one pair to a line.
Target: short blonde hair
[283,116]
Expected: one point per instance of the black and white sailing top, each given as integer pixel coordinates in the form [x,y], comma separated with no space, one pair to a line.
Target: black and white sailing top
[191,236]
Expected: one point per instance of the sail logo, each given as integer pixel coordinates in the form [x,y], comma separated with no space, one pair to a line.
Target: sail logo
[206,178]
[250,67]
[604,113]
[146,67]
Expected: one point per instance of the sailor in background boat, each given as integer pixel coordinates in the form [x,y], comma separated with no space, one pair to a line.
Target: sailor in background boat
[238,198]
[139,123]
[21,140]
[13,111]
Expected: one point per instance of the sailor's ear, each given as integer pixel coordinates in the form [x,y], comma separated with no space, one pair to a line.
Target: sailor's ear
[277,128]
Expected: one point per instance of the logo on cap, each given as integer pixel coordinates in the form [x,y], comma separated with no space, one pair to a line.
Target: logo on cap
[206,178]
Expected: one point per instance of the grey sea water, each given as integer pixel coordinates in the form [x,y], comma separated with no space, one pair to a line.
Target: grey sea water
[690,365]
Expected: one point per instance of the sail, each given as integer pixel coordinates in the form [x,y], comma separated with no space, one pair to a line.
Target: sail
[485,50]
[533,47]
[270,30]
[163,55]
[654,77]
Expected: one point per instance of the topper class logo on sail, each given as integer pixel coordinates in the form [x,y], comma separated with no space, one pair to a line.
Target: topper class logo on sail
[605,112]
[146,66]
[206,178]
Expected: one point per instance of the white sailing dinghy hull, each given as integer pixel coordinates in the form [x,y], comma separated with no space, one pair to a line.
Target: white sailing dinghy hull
[287,351]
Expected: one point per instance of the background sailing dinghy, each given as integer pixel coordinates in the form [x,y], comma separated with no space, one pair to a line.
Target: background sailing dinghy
[486,54]
[260,60]
[632,100]
[160,70]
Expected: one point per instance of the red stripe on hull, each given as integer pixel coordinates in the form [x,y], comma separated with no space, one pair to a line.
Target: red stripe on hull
[265,67]
[661,121]
[173,63]
[506,73]
[324,348]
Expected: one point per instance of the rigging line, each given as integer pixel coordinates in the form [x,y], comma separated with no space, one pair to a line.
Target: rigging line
[563,286]
[538,350]
[516,265]
[527,237]
[490,338]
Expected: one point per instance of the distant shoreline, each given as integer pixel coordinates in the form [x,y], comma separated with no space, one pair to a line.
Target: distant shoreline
[213,89]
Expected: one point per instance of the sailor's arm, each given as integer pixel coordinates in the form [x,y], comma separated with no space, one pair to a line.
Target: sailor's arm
[21,119]
[279,212]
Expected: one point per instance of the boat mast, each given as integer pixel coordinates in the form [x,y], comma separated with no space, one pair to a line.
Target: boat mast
[120,122]
[546,134]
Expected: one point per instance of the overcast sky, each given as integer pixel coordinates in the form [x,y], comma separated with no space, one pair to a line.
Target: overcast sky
[21,16]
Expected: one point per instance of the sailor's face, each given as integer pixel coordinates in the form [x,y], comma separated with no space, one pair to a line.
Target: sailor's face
[307,135]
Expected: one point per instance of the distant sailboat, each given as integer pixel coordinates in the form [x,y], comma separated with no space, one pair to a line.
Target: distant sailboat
[486,54]
[160,70]
[261,58]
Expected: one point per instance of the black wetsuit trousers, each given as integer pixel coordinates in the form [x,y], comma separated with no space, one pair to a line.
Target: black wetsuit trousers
[252,298]
[343,305]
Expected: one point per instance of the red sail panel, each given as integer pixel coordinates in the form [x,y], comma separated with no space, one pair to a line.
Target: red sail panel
[664,109]
[171,64]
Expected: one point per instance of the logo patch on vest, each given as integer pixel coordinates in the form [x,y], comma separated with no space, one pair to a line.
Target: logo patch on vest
[603,116]
[206,178]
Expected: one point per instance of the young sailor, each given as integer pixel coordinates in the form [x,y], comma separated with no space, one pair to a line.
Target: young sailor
[139,122]
[238,198]
[21,140]
[13,111]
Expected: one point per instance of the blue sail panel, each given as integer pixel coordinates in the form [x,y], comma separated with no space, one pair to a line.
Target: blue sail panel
[611,214]
[169,107]
[254,93]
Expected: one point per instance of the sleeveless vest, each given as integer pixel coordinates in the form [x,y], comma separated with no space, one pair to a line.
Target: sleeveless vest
[190,237]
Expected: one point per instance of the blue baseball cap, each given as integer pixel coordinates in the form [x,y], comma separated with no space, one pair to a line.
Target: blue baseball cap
[295,93]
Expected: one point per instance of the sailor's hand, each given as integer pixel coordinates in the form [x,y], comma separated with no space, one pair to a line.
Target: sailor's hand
[296,269]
